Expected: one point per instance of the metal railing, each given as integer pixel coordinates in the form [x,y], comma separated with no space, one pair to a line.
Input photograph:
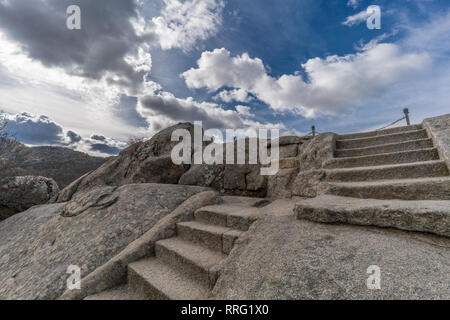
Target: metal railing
[314,132]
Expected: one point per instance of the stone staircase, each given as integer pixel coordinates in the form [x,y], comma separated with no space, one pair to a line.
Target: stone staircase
[187,266]
[390,166]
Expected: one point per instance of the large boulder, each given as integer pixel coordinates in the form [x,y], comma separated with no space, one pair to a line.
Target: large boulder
[142,162]
[20,193]
[238,179]
[38,245]
[284,258]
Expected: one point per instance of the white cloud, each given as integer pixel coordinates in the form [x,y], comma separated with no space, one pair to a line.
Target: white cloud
[244,111]
[353,3]
[331,83]
[182,23]
[217,69]
[357,18]
[238,95]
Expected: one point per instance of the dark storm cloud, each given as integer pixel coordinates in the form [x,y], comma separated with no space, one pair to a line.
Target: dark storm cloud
[180,110]
[29,129]
[73,137]
[41,130]
[126,110]
[105,38]
[98,138]
[103,148]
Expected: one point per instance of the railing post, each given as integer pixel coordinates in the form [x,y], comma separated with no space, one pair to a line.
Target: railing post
[406,112]
[313,131]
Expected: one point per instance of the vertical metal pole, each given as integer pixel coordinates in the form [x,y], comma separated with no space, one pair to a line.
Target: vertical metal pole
[313,131]
[406,112]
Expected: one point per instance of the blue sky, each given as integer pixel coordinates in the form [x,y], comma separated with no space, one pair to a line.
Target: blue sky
[232,64]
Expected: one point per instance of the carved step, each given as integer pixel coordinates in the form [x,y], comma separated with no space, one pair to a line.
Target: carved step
[422,216]
[200,262]
[119,293]
[210,236]
[379,132]
[381,140]
[234,217]
[244,201]
[398,171]
[384,159]
[156,280]
[386,148]
[404,189]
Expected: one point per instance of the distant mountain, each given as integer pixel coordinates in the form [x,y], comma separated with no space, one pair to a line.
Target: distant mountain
[62,164]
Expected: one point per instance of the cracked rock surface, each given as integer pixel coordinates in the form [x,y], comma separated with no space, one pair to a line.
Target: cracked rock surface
[38,245]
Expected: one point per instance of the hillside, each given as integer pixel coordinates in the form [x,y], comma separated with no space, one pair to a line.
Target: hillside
[62,164]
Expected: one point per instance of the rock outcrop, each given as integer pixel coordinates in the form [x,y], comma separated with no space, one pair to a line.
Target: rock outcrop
[283,258]
[38,245]
[242,179]
[143,162]
[438,129]
[17,194]
[61,164]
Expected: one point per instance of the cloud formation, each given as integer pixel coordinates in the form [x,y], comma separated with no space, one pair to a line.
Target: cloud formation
[30,129]
[357,18]
[115,39]
[329,84]
[182,23]
[238,95]
[353,3]
[41,130]
[166,106]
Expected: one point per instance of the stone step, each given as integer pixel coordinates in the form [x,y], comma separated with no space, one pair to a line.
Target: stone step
[209,236]
[385,148]
[379,132]
[122,293]
[422,216]
[381,140]
[403,189]
[231,216]
[200,262]
[156,280]
[397,171]
[384,159]
[244,201]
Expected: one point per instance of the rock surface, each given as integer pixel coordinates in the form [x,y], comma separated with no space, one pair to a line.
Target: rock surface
[61,164]
[20,193]
[284,258]
[143,162]
[38,245]
[439,130]
[312,155]
[231,179]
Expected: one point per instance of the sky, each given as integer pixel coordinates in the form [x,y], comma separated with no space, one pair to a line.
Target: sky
[138,66]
